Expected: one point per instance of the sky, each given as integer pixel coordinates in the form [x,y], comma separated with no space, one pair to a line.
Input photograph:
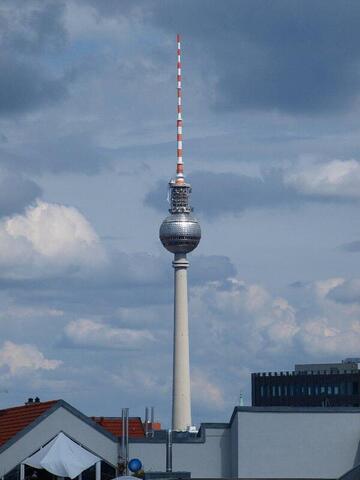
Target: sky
[271,113]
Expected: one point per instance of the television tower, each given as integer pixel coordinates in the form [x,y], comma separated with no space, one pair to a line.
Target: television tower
[180,234]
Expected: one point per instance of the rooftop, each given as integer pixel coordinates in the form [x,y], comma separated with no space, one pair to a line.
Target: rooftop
[349,365]
[15,419]
[114,426]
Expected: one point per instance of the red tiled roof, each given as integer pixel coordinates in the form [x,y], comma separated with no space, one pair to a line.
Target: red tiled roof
[114,425]
[154,426]
[15,419]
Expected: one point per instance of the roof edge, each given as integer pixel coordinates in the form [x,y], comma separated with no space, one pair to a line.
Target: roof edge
[238,409]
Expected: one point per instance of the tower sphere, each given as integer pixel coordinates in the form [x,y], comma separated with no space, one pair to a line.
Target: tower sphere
[180,233]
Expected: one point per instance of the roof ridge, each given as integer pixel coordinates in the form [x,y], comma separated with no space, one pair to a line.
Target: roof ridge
[113,418]
[34,404]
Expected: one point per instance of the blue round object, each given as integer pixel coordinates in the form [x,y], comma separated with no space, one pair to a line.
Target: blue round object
[134,465]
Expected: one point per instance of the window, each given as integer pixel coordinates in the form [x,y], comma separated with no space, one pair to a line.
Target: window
[329,389]
[279,390]
[342,388]
[14,474]
[89,474]
[317,389]
[261,390]
[322,389]
[309,390]
[285,390]
[107,471]
[291,388]
[336,389]
[273,391]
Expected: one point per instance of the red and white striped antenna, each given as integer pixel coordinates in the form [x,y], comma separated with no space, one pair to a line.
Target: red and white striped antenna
[179,165]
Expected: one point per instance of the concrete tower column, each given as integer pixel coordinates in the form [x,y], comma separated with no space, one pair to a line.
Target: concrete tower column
[181,405]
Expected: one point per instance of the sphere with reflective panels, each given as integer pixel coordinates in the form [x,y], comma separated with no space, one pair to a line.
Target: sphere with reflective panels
[180,233]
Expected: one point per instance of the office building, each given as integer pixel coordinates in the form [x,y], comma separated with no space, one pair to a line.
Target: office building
[309,385]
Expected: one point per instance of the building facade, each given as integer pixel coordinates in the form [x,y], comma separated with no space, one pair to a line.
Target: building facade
[309,385]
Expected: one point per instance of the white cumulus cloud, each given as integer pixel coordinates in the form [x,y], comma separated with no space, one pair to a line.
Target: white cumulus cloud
[323,287]
[24,357]
[334,178]
[206,392]
[48,236]
[244,317]
[243,324]
[321,336]
[90,333]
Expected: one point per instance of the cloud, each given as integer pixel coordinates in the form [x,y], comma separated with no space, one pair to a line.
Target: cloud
[34,27]
[210,267]
[220,193]
[47,236]
[322,288]
[22,358]
[334,178]
[244,317]
[321,337]
[330,327]
[217,194]
[205,392]
[93,334]
[16,193]
[246,325]
[260,55]
[65,152]
[147,378]
[25,86]
[351,247]
[346,292]
[28,33]
[80,113]
[75,273]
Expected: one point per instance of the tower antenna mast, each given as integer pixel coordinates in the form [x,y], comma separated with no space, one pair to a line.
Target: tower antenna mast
[179,165]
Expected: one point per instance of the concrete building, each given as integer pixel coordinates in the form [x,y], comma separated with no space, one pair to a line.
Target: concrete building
[271,442]
[310,385]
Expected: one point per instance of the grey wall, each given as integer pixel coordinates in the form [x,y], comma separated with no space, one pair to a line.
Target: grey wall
[297,444]
[207,460]
[234,440]
[60,420]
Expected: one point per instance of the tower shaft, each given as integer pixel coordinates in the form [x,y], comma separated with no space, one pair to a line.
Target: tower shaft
[181,404]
